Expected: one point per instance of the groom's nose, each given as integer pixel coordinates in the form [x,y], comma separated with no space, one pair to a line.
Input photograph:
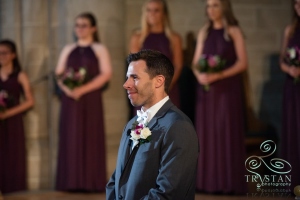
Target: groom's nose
[128,83]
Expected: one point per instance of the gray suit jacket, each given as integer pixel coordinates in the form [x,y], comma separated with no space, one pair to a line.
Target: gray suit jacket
[165,167]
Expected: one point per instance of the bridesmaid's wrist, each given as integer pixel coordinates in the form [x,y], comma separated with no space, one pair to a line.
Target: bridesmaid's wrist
[221,75]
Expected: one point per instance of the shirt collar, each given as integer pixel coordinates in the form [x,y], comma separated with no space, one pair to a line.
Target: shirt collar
[155,108]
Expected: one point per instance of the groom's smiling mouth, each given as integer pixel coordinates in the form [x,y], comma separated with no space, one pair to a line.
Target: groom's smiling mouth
[131,93]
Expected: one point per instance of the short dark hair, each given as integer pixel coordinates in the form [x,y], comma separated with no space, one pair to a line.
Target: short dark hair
[157,64]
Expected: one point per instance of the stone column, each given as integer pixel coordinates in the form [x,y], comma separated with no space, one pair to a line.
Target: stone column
[25,22]
[40,29]
[110,18]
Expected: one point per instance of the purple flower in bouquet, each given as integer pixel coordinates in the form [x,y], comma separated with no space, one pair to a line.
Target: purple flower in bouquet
[213,61]
[73,79]
[210,64]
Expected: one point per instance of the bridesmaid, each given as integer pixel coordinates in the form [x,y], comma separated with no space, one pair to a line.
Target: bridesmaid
[290,136]
[156,33]
[81,156]
[14,82]
[219,116]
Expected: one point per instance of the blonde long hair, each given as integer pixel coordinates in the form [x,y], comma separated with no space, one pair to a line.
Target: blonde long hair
[228,19]
[145,29]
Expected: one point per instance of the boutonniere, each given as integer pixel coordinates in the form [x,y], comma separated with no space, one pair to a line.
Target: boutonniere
[140,133]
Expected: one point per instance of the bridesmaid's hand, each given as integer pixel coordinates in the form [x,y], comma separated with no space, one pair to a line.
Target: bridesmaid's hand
[68,92]
[294,71]
[76,93]
[65,89]
[3,115]
[207,78]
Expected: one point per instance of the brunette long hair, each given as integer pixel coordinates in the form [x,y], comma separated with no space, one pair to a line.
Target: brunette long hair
[229,19]
[295,22]
[12,47]
[93,21]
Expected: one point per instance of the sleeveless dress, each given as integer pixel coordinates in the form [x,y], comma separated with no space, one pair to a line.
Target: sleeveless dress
[160,42]
[81,156]
[290,136]
[219,122]
[12,141]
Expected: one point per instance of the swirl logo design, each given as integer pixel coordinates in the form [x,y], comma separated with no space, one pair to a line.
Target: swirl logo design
[278,166]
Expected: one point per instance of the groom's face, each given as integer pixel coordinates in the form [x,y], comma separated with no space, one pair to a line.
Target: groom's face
[139,85]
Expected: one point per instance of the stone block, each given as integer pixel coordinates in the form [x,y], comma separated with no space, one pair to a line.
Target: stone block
[35,36]
[273,19]
[34,13]
[257,3]
[260,38]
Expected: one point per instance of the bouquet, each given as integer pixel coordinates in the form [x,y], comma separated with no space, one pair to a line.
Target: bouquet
[72,78]
[3,100]
[292,58]
[210,64]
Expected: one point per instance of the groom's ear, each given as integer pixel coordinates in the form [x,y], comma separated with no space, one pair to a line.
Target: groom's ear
[159,81]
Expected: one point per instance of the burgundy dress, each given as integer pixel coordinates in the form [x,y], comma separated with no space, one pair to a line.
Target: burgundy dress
[160,42]
[219,124]
[81,157]
[12,142]
[290,136]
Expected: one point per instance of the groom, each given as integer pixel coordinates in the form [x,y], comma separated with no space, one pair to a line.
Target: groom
[158,151]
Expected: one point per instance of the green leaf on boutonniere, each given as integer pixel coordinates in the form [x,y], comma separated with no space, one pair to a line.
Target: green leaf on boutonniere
[134,125]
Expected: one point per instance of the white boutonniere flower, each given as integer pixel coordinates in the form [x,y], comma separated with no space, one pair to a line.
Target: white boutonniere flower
[140,133]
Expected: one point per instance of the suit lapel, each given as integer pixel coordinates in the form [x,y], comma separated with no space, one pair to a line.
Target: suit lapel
[161,112]
[126,147]
[125,152]
[129,159]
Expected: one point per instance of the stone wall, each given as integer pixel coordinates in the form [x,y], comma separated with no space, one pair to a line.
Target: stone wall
[41,28]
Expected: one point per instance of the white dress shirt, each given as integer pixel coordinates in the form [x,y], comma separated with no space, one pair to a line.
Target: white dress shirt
[155,108]
[151,112]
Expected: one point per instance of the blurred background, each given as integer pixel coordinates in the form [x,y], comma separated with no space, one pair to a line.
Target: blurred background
[41,28]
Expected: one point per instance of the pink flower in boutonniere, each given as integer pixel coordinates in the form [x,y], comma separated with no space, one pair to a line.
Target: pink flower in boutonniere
[140,133]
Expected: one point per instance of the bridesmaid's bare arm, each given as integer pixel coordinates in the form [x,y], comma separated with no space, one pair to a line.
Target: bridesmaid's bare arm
[198,53]
[104,67]
[241,63]
[62,61]
[61,66]
[177,57]
[291,70]
[134,45]
[239,66]
[284,67]
[26,104]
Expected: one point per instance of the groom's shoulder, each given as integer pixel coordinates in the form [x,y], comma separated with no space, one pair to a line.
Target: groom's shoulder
[175,123]
[175,115]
